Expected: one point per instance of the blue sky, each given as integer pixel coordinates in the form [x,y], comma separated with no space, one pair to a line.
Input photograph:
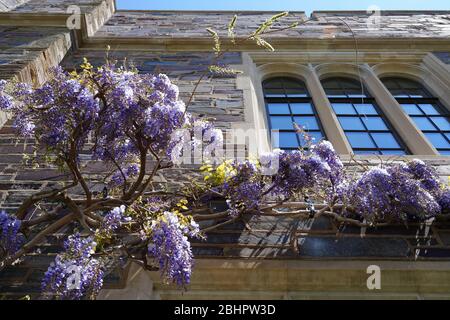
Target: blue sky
[281,5]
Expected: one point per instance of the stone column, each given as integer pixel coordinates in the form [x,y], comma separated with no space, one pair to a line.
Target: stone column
[412,136]
[333,129]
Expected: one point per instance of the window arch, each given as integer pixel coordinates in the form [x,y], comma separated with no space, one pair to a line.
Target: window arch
[424,109]
[365,126]
[287,102]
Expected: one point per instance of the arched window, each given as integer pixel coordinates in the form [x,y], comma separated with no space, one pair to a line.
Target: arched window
[365,126]
[288,102]
[424,109]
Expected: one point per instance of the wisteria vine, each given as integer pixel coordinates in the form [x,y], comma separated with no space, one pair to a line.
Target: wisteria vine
[136,125]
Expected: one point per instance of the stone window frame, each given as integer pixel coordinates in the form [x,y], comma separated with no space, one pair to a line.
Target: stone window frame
[427,72]
[426,98]
[290,100]
[366,98]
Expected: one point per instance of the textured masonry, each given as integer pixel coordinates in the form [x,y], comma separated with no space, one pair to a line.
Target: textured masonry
[34,38]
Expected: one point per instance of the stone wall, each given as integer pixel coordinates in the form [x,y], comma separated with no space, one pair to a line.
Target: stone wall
[28,52]
[8,5]
[53,6]
[216,97]
[163,24]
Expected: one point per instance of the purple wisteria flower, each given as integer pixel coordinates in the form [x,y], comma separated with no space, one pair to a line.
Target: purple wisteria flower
[171,248]
[113,219]
[297,172]
[118,178]
[244,187]
[325,151]
[75,273]
[6,101]
[10,238]
[392,192]
[444,201]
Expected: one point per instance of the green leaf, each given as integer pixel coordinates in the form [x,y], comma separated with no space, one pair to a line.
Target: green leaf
[263,43]
[215,36]
[269,22]
[223,70]
[231,27]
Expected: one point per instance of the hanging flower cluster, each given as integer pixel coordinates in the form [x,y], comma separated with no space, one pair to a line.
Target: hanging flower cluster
[60,114]
[171,248]
[10,238]
[395,191]
[75,273]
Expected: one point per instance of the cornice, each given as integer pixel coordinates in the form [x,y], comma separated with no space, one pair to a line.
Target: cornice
[380,45]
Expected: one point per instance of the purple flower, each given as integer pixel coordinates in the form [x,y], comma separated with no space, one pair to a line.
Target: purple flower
[325,151]
[444,201]
[6,101]
[171,249]
[74,274]
[393,192]
[130,171]
[113,219]
[10,238]
[425,174]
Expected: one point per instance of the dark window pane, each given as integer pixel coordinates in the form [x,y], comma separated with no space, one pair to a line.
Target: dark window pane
[424,123]
[374,123]
[437,140]
[315,136]
[296,93]
[278,108]
[385,140]
[274,93]
[301,108]
[444,152]
[360,140]
[411,109]
[343,108]
[365,108]
[442,123]
[308,123]
[399,94]
[408,84]
[293,84]
[331,84]
[429,109]
[335,93]
[284,140]
[351,123]
[391,84]
[275,83]
[393,152]
[417,93]
[350,84]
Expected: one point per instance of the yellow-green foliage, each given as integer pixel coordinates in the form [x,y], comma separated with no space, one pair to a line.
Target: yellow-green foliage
[220,174]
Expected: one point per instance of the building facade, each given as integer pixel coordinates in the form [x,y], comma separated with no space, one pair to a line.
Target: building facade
[376,86]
